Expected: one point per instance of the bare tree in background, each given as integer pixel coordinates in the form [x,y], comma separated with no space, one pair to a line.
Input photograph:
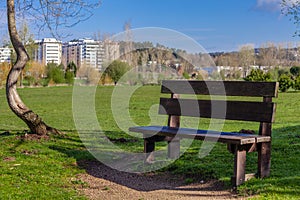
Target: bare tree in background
[246,57]
[268,55]
[52,14]
[129,43]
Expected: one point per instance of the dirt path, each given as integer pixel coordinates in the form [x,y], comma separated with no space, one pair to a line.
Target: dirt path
[104,183]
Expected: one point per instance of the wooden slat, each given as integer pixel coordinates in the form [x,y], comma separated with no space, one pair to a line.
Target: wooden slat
[233,110]
[225,137]
[228,88]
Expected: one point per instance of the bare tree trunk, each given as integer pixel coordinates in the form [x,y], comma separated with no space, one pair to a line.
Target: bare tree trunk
[33,121]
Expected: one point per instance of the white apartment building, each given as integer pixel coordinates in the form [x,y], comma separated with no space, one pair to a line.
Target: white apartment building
[84,52]
[5,54]
[49,50]
[91,53]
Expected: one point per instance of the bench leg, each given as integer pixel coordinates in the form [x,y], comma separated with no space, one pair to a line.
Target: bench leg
[174,148]
[149,147]
[239,167]
[264,159]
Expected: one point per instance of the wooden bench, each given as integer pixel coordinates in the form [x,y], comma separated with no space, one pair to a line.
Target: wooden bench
[238,143]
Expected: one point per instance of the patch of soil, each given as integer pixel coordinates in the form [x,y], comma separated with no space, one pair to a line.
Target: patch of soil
[28,152]
[9,159]
[102,182]
[33,137]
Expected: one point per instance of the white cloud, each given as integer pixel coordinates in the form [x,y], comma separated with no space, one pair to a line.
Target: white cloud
[262,2]
[273,5]
[269,5]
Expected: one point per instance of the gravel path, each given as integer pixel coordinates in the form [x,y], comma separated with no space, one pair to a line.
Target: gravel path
[104,183]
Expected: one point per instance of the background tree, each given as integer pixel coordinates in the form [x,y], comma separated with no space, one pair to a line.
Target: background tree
[72,68]
[128,42]
[246,57]
[92,76]
[116,70]
[267,55]
[34,72]
[202,75]
[4,70]
[71,72]
[27,39]
[52,14]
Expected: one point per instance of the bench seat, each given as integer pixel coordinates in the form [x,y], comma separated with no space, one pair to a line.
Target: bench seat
[224,137]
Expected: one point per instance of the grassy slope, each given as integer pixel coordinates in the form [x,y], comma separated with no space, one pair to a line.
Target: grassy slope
[47,169]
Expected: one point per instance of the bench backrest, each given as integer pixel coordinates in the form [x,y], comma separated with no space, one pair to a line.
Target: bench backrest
[263,111]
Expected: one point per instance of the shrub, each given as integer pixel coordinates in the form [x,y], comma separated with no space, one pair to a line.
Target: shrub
[55,73]
[58,75]
[30,80]
[186,75]
[285,82]
[258,75]
[295,71]
[296,85]
[69,76]
[283,71]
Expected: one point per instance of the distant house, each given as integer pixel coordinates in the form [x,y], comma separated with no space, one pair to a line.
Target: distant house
[5,54]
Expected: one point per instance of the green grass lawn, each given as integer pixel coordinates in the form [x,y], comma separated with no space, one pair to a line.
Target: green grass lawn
[47,169]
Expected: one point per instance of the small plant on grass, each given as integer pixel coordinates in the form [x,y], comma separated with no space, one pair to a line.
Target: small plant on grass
[188,180]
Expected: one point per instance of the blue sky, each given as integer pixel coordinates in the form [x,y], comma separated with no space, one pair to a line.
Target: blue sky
[218,25]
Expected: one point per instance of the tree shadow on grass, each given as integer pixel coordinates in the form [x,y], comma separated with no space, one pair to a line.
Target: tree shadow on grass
[5,133]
